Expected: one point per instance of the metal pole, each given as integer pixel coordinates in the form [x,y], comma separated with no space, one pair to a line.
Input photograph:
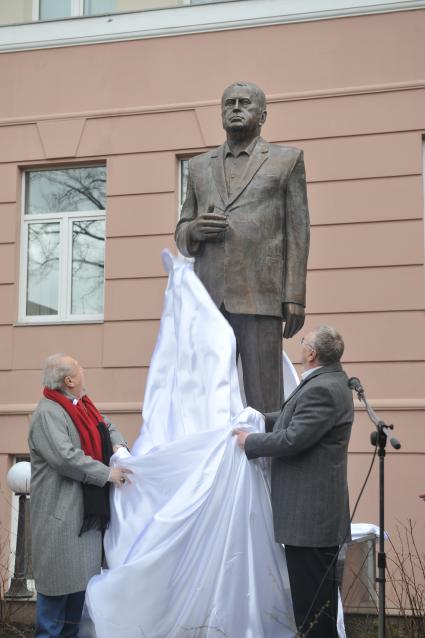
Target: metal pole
[18,584]
[382,562]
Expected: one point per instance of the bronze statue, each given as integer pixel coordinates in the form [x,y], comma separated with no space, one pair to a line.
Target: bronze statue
[245,220]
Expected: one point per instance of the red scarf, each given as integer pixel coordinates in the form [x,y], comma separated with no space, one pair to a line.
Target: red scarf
[85,417]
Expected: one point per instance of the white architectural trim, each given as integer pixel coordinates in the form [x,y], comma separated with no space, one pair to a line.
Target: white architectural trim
[187,19]
[317,94]
[132,407]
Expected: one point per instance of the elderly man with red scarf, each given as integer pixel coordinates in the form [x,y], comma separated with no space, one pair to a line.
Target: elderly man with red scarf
[70,445]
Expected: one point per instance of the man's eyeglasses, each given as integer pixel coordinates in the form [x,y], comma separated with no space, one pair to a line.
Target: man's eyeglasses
[307,345]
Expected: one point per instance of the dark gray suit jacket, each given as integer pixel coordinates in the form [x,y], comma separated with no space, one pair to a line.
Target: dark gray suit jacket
[309,444]
[261,260]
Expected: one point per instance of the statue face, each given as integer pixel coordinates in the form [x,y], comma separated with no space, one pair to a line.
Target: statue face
[241,111]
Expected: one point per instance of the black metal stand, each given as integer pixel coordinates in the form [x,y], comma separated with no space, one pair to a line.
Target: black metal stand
[18,584]
[379,440]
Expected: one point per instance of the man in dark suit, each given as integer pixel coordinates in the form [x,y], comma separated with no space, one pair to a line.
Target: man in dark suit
[308,443]
[246,222]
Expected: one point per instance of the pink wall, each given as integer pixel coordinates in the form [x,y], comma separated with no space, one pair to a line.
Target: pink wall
[350,92]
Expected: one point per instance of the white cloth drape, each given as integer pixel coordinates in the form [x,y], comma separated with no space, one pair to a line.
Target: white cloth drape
[190,548]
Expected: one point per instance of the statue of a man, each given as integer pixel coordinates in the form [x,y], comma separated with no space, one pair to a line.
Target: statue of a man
[245,220]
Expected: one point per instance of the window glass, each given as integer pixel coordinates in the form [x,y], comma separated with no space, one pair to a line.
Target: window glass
[184,176]
[208,1]
[93,7]
[53,9]
[43,269]
[63,259]
[88,248]
[65,190]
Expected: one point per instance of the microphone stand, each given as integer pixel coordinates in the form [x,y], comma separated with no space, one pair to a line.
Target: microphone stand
[379,439]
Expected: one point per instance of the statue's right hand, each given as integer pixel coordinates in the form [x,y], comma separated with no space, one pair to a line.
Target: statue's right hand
[208,227]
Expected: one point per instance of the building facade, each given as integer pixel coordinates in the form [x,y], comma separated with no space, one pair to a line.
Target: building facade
[100,107]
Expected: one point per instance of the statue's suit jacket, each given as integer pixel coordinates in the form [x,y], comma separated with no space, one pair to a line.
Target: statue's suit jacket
[309,444]
[63,562]
[260,261]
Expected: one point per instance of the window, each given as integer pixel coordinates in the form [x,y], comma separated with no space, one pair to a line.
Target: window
[21,11]
[56,9]
[63,244]
[184,176]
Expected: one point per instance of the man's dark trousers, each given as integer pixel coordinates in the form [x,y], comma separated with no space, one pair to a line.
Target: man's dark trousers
[314,589]
[59,616]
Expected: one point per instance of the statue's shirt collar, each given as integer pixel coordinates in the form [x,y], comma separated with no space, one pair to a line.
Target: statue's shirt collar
[246,151]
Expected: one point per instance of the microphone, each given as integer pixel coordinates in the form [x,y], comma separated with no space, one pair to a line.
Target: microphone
[354,384]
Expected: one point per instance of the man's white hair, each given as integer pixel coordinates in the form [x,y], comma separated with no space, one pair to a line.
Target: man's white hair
[55,370]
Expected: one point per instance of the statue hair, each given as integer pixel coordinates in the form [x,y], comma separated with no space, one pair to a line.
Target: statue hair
[254,88]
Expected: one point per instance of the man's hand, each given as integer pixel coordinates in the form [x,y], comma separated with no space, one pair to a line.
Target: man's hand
[117,447]
[294,317]
[208,227]
[241,437]
[118,476]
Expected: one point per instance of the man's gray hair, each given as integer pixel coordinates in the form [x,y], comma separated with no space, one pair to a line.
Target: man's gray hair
[55,370]
[328,344]
[254,88]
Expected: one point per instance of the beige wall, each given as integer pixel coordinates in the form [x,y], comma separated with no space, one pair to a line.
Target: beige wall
[350,92]
[15,11]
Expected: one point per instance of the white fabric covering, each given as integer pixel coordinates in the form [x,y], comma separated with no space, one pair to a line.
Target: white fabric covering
[190,547]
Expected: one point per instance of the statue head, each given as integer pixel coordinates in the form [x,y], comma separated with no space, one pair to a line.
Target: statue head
[243,109]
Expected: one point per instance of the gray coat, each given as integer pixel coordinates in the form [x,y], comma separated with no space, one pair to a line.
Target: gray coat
[63,562]
[309,444]
[261,260]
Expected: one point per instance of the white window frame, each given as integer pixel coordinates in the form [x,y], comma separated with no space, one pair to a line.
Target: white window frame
[65,220]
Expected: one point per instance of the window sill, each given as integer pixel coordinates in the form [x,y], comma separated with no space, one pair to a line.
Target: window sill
[187,20]
[65,322]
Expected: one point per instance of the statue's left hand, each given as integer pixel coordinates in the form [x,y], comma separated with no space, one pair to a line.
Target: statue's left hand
[294,317]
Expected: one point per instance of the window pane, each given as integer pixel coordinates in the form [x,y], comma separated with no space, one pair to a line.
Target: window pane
[67,189]
[51,9]
[88,250]
[184,176]
[209,1]
[93,7]
[43,269]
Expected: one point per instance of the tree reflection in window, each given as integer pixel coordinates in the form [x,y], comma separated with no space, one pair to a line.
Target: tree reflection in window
[88,239]
[43,269]
[66,245]
[66,190]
